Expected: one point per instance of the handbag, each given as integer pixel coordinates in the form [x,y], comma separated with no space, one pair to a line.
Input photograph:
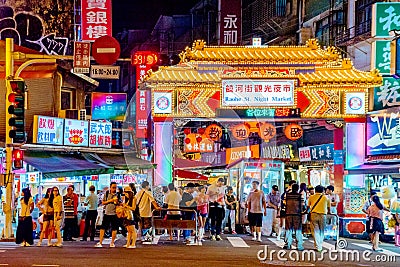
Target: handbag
[309,213]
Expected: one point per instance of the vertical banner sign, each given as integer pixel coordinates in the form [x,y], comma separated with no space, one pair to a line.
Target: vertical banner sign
[385,18]
[81,57]
[96,19]
[143,60]
[387,95]
[381,58]
[100,134]
[231,22]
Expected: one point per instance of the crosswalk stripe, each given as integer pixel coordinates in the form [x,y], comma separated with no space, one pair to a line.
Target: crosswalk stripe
[385,251]
[279,243]
[325,245]
[156,239]
[237,242]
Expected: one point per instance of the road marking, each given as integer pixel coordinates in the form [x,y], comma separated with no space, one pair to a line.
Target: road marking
[279,243]
[326,245]
[384,251]
[156,239]
[237,242]
[2,250]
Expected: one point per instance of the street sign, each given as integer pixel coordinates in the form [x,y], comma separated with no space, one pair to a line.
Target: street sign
[81,57]
[106,50]
[104,72]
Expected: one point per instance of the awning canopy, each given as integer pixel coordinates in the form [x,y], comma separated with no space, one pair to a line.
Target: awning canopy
[186,164]
[124,161]
[375,168]
[190,175]
[53,165]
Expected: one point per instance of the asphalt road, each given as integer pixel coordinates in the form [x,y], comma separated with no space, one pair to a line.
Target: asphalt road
[238,250]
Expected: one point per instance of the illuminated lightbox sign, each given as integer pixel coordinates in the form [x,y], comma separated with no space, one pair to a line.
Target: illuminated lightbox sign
[383,133]
[108,106]
[48,130]
[76,133]
[100,134]
[257,93]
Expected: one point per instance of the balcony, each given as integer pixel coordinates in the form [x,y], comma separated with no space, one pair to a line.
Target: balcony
[355,34]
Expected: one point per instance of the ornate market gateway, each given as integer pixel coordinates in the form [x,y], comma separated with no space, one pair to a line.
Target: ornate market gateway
[317,81]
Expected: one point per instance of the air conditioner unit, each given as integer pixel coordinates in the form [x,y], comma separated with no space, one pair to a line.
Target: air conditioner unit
[82,115]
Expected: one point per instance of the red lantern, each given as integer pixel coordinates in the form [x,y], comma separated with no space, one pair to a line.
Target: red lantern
[198,139]
[186,131]
[267,131]
[187,140]
[214,132]
[241,131]
[201,131]
[293,131]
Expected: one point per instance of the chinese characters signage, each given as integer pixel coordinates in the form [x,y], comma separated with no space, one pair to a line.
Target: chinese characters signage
[100,134]
[257,93]
[198,143]
[381,57]
[383,133]
[143,60]
[96,19]
[387,95]
[320,152]
[76,133]
[48,130]
[108,106]
[385,17]
[259,113]
[81,57]
[231,22]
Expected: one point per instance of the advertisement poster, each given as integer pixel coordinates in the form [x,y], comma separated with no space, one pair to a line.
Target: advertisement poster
[100,134]
[76,133]
[48,130]
[108,106]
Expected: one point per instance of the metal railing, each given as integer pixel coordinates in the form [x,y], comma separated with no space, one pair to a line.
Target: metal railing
[363,28]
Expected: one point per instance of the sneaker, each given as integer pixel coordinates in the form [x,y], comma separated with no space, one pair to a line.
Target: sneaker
[254,239]
[112,245]
[219,238]
[98,245]
[39,244]
[125,246]
[22,244]
[259,240]
[58,245]
[234,233]
[131,247]
[213,238]
[273,234]
[49,244]
[27,244]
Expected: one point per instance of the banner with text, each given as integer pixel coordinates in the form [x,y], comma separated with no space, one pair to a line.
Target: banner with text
[231,22]
[96,19]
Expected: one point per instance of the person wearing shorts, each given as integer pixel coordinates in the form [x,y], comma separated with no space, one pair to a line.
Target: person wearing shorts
[256,206]
[110,202]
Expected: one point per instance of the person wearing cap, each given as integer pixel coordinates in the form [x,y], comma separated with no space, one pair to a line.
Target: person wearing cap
[91,214]
[188,202]
[216,204]
[273,200]
[130,206]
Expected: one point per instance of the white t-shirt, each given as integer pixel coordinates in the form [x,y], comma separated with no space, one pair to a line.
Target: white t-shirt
[216,194]
[334,198]
[173,199]
[145,203]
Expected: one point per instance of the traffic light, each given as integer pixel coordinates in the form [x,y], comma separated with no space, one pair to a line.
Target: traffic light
[18,158]
[16,110]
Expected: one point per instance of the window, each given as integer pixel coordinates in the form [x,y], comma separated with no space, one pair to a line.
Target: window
[67,99]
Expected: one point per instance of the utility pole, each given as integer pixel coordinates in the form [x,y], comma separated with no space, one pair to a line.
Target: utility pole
[9,176]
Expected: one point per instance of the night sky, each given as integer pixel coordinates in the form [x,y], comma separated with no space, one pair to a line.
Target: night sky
[143,14]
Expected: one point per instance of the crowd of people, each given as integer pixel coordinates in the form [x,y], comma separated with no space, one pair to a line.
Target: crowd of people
[298,212]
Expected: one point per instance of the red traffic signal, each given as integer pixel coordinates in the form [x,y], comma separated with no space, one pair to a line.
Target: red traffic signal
[18,158]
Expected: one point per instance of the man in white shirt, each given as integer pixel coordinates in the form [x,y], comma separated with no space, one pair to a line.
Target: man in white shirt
[144,200]
[331,220]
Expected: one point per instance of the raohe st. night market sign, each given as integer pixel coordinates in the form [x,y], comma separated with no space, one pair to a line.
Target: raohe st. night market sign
[257,93]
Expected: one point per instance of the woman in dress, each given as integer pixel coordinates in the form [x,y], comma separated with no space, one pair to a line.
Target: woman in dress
[25,225]
[375,213]
[129,223]
[48,218]
[202,209]
[56,203]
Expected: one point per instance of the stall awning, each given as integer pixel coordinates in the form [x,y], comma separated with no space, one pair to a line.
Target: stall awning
[53,165]
[375,168]
[190,175]
[186,164]
[125,161]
